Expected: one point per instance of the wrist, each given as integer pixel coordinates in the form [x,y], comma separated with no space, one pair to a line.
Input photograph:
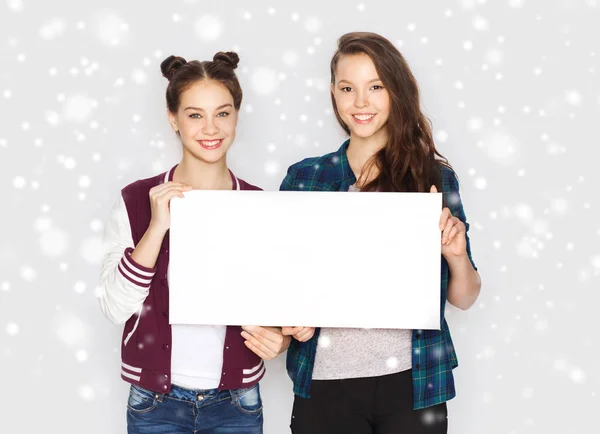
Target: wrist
[457,260]
[156,230]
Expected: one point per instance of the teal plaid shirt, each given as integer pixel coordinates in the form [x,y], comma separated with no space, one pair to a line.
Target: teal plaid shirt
[433,355]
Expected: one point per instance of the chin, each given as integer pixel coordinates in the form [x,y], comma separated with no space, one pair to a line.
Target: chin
[209,157]
[363,133]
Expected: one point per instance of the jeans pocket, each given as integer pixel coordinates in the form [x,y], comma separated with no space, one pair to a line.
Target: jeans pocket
[248,400]
[141,400]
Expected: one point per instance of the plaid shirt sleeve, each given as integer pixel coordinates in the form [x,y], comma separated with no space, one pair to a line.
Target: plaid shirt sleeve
[434,356]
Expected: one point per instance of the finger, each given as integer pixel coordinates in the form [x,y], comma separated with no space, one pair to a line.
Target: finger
[447,230]
[257,351]
[165,190]
[444,218]
[271,333]
[433,189]
[288,331]
[304,335]
[168,195]
[167,185]
[452,234]
[302,330]
[459,225]
[260,343]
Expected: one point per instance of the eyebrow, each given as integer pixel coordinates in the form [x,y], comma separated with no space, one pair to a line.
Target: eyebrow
[370,81]
[201,109]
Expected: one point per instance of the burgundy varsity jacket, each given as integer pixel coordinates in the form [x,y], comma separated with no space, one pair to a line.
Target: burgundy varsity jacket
[146,344]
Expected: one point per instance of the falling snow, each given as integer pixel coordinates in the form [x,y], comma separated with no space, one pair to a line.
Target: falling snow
[264,81]
[52,29]
[514,122]
[209,28]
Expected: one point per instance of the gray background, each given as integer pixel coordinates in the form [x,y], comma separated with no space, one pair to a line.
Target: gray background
[510,85]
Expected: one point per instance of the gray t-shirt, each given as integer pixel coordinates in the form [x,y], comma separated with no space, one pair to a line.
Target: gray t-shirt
[357,353]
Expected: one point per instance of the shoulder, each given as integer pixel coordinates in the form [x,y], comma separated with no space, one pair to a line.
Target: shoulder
[247,186]
[315,164]
[313,171]
[141,187]
[450,189]
[449,179]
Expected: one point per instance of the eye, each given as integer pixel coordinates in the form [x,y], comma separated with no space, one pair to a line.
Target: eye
[195,116]
[346,89]
[223,114]
[377,87]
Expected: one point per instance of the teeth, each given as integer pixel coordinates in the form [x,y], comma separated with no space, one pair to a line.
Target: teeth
[211,143]
[363,117]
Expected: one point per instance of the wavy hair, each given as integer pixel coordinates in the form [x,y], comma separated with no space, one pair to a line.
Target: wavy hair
[409,162]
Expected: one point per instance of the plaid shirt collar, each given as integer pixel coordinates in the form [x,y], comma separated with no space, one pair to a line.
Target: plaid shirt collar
[337,171]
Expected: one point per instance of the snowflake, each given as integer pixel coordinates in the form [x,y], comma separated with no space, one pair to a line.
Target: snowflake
[263,81]
[209,28]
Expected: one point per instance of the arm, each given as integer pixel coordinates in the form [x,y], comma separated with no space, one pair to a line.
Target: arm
[465,283]
[124,282]
[127,272]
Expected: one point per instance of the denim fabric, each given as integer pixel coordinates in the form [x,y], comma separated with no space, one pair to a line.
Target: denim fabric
[195,411]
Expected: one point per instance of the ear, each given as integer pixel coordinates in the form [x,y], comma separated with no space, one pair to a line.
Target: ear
[331,88]
[172,121]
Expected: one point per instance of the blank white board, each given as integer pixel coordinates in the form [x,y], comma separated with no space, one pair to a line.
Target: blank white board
[323,259]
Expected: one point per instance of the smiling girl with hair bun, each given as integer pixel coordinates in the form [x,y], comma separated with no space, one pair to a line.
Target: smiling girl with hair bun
[184,378]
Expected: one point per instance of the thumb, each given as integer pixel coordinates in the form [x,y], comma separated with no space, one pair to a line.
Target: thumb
[287,331]
[433,189]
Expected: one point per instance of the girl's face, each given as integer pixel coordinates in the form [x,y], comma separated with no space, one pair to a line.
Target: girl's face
[206,121]
[362,101]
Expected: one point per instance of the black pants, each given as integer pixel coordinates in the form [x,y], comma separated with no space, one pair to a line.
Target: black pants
[376,405]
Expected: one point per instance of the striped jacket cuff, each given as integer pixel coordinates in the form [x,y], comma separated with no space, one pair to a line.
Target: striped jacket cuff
[137,274]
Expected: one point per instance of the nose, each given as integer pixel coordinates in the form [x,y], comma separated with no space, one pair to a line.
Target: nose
[209,128]
[360,100]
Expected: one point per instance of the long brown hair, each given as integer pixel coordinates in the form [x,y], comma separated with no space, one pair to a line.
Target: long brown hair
[409,161]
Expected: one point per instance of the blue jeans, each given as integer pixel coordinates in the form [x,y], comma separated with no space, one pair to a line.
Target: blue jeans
[188,411]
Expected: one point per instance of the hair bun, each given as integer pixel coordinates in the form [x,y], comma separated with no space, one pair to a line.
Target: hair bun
[171,65]
[230,58]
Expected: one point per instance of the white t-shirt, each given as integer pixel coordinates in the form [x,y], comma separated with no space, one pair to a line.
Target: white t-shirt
[197,355]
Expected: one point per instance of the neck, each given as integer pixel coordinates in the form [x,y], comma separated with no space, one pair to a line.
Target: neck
[361,150]
[202,175]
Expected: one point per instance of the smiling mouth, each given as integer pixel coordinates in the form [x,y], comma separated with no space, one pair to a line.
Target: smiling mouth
[363,118]
[210,144]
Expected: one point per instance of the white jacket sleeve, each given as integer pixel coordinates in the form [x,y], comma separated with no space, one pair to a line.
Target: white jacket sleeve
[124,284]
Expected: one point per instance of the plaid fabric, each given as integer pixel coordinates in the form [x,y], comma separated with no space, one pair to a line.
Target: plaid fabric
[433,351]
